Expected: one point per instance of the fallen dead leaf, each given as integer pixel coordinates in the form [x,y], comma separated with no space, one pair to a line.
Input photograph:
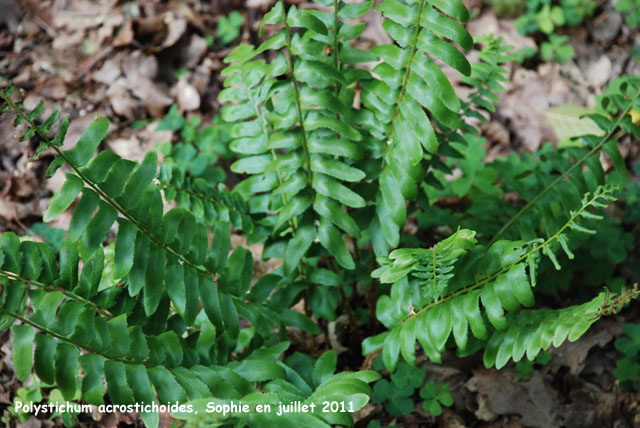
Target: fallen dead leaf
[599,72]
[11,14]
[121,100]
[450,419]
[140,70]
[528,95]
[606,26]
[534,400]
[194,52]
[128,148]
[108,74]
[187,96]
[574,354]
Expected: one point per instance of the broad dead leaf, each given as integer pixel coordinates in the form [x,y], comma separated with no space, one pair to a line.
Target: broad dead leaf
[534,400]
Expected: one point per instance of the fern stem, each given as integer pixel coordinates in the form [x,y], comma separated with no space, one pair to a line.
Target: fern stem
[48,287]
[293,223]
[565,174]
[191,192]
[198,195]
[505,269]
[296,95]
[49,332]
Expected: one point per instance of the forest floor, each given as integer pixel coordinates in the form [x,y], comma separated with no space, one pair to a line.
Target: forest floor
[130,61]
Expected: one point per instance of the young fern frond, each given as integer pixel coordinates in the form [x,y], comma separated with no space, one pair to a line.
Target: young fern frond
[496,277]
[410,81]
[204,201]
[486,78]
[433,266]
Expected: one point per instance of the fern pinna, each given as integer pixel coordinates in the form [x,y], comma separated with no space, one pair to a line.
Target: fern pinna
[334,153]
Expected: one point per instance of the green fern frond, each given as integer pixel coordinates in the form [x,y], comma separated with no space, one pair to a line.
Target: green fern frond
[350,389]
[298,144]
[433,267]
[496,277]
[409,82]
[572,182]
[486,78]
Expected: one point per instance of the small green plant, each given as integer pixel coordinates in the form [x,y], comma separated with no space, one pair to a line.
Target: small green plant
[630,9]
[556,49]
[546,16]
[628,370]
[198,149]
[525,367]
[25,394]
[435,396]
[229,27]
[398,393]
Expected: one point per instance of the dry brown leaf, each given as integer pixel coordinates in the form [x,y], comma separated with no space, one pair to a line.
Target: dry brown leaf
[11,14]
[186,95]
[528,95]
[534,401]
[128,148]
[121,100]
[194,52]
[140,71]
[599,72]
[574,354]
[108,74]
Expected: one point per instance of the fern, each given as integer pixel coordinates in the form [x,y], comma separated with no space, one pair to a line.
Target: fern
[410,81]
[495,276]
[329,153]
[296,130]
[433,267]
[161,271]
[550,181]
[204,201]
[486,78]
[316,386]
[572,181]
